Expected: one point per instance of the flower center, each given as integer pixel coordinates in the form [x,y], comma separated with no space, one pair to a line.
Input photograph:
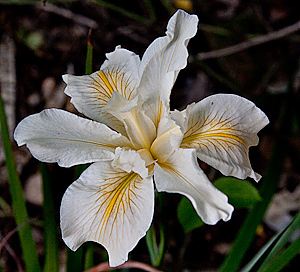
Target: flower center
[146,156]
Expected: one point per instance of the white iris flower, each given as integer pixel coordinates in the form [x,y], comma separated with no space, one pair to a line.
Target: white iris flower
[135,142]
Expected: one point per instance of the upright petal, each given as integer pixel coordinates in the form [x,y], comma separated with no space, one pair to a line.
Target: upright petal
[139,127]
[166,56]
[59,136]
[221,128]
[90,93]
[109,206]
[167,141]
[181,174]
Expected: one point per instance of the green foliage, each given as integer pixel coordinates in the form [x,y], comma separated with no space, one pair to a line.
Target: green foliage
[187,215]
[156,251]
[241,193]
[269,257]
[89,55]
[50,224]
[74,260]
[20,212]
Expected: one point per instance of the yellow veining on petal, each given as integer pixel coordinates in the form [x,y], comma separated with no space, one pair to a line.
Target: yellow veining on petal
[107,81]
[160,112]
[214,130]
[225,136]
[115,197]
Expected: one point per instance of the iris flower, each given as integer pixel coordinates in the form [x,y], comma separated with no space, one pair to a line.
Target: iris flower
[136,144]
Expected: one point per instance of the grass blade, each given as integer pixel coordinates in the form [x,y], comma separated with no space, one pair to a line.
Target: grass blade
[89,55]
[75,260]
[282,241]
[89,256]
[50,226]
[20,213]
[272,248]
[284,258]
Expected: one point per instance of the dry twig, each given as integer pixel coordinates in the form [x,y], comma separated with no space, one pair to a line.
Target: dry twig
[274,35]
[77,18]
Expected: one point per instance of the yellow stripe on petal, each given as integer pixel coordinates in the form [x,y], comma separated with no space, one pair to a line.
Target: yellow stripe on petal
[109,206]
[222,128]
[107,81]
[90,93]
[227,135]
[115,196]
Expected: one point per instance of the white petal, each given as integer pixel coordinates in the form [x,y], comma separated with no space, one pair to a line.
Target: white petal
[168,139]
[221,128]
[155,109]
[166,56]
[90,93]
[139,127]
[129,160]
[107,206]
[181,174]
[59,136]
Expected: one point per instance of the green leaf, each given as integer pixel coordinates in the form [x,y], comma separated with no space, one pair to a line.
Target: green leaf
[187,215]
[156,251]
[284,258]
[89,55]
[89,256]
[271,250]
[20,212]
[241,193]
[50,225]
[74,260]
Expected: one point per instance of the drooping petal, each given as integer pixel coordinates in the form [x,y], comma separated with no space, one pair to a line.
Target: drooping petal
[59,136]
[181,174]
[221,128]
[109,206]
[90,93]
[166,56]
